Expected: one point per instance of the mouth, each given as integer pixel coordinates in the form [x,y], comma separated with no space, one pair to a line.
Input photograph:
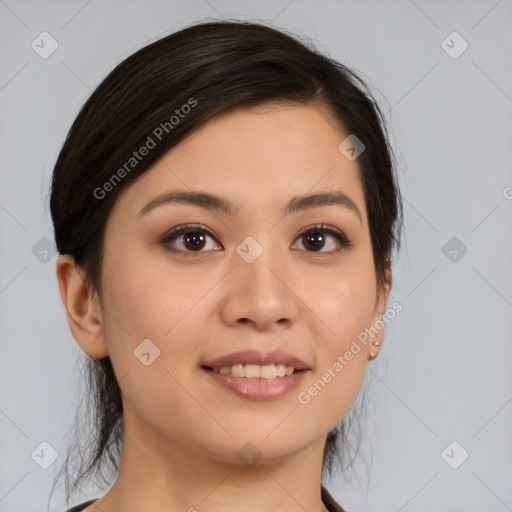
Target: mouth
[272,385]
[257,375]
[255,371]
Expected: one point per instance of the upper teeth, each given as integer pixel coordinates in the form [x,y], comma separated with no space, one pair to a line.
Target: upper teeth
[249,371]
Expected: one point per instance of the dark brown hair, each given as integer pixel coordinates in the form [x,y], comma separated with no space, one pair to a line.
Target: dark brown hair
[211,67]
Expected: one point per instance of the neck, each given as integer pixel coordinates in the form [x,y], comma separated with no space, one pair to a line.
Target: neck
[158,474]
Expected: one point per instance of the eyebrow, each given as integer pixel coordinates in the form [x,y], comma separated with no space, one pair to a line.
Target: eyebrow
[210,201]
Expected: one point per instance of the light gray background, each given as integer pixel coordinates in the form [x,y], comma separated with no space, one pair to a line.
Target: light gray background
[444,372]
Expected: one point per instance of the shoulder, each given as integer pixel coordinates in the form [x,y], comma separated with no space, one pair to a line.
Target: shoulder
[82,506]
[330,502]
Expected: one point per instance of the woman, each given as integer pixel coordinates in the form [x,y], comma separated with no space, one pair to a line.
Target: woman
[225,206]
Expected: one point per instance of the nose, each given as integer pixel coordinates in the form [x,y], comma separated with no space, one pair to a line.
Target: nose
[260,293]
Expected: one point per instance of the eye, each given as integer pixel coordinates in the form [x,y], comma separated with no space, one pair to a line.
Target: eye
[194,239]
[315,238]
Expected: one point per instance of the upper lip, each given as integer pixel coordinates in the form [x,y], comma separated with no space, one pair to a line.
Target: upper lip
[259,358]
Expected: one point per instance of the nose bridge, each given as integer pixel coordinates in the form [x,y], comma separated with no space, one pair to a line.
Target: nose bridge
[258,291]
[259,262]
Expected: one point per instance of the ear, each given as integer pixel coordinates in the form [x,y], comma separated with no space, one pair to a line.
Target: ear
[83,309]
[380,309]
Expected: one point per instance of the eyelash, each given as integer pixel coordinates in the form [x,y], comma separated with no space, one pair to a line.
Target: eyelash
[343,241]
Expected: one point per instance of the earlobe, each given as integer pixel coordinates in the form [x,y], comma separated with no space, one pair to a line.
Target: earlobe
[82,307]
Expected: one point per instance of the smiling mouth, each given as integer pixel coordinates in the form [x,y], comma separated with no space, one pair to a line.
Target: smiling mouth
[254,371]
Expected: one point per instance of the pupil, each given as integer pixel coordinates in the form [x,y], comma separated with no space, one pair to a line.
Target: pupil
[197,237]
[316,245]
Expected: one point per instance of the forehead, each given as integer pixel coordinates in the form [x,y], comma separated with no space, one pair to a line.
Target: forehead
[257,157]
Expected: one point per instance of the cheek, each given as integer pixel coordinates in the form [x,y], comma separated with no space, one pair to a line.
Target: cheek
[344,309]
[351,311]
[150,334]
[147,295]
[344,304]
[145,300]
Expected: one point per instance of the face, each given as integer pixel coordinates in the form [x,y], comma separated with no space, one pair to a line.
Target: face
[254,278]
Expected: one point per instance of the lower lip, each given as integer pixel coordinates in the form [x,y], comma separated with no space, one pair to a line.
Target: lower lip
[257,388]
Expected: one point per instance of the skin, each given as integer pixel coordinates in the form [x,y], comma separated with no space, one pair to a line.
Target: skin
[182,430]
